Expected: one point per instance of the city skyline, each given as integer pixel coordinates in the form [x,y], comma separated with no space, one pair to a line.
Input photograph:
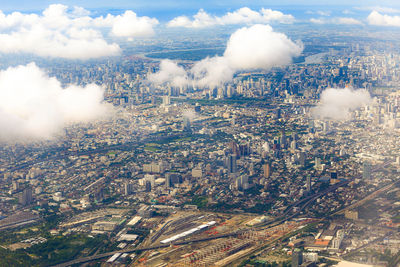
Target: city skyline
[200,133]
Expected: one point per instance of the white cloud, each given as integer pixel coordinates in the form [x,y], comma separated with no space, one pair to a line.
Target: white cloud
[319,12]
[337,20]
[318,21]
[379,9]
[375,18]
[211,72]
[348,21]
[249,48]
[59,32]
[347,12]
[336,103]
[34,106]
[169,72]
[123,25]
[324,13]
[243,15]
[190,114]
[260,47]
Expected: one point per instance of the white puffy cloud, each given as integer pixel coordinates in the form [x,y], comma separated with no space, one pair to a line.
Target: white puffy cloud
[169,72]
[249,48]
[123,25]
[260,47]
[336,103]
[243,15]
[211,72]
[34,106]
[73,34]
[375,18]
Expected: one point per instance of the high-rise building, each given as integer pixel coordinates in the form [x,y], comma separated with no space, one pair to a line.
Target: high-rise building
[186,124]
[231,163]
[151,179]
[302,159]
[293,145]
[283,141]
[168,182]
[308,183]
[367,171]
[234,148]
[278,113]
[267,170]
[244,149]
[128,189]
[317,162]
[26,197]
[15,185]
[148,186]
[171,179]
[297,257]
[166,100]
[242,182]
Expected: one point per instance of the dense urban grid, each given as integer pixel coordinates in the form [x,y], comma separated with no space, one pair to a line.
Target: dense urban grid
[253,172]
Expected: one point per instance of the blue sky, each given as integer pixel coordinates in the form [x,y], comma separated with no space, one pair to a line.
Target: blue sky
[169,5]
[165,10]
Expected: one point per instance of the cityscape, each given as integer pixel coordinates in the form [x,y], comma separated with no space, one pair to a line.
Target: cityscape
[200,134]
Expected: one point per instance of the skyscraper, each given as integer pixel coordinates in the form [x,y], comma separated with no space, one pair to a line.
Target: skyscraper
[267,170]
[168,182]
[128,188]
[242,182]
[302,159]
[308,183]
[26,197]
[231,163]
[234,148]
[148,186]
[186,124]
[283,139]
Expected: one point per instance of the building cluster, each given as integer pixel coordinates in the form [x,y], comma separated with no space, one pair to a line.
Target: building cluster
[250,146]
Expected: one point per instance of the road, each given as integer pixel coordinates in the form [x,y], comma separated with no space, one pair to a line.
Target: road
[58,155]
